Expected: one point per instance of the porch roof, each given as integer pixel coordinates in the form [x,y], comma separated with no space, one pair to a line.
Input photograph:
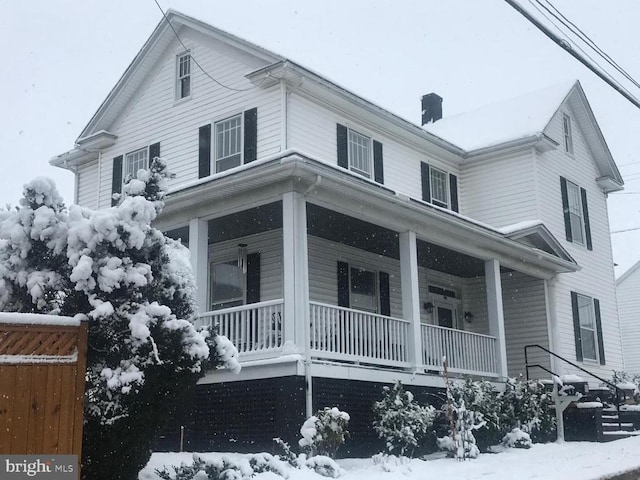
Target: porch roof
[332,187]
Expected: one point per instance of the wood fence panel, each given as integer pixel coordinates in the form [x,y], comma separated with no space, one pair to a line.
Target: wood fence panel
[42,367]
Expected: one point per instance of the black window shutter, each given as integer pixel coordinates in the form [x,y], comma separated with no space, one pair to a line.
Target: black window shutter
[343,156]
[343,284]
[253,277]
[378,165]
[576,325]
[250,135]
[453,191]
[585,213]
[565,208]
[425,172]
[116,180]
[154,151]
[204,151]
[596,308]
[385,301]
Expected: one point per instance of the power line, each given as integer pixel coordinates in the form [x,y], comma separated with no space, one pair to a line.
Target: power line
[633,229]
[194,58]
[566,46]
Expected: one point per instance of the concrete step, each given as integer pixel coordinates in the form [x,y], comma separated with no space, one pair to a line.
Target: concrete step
[618,435]
[617,426]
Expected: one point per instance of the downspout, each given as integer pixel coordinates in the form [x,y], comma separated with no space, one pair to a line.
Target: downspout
[307,328]
[99,179]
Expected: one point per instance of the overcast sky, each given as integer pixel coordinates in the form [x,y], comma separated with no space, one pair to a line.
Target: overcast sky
[65,56]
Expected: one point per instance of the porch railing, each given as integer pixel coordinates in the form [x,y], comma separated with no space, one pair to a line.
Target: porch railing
[253,328]
[466,352]
[344,334]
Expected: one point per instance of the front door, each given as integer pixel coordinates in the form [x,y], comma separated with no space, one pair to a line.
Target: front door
[444,316]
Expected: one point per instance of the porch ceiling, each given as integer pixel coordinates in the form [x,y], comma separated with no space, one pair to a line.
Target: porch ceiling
[247,222]
[340,228]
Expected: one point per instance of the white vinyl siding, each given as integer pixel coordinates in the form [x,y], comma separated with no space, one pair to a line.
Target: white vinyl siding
[628,293]
[154,116]
[87,178]
[596,277]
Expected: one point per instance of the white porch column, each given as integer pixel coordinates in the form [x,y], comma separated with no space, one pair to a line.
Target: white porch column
[496,313]
[295,269]
[199,250]
[552,321]
[411,294]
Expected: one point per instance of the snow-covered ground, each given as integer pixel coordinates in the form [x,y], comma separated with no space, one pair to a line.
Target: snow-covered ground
[569,461]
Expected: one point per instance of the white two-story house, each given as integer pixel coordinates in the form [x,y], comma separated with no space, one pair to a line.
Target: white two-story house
[341,247]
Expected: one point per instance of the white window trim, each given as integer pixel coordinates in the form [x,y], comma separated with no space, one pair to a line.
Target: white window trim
[214,140]
[583,232]
[360,172]
[447,185]
[567,134]
[178,91]
[596,347]
[376,285]
[126,162]
[212,263]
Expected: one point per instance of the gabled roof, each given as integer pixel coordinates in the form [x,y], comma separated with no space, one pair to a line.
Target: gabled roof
[628,273]
[148,56]
[535,234]
[525,119]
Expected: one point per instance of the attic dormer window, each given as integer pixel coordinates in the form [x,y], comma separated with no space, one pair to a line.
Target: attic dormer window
[568,136]
[183,87]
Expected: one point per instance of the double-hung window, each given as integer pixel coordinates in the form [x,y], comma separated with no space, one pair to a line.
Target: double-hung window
[359,153]
[228,143]
[227,287]
[183,86]
[363,292]
[576,213]
[439,188]
[587,328]
[135,161]
[567,134]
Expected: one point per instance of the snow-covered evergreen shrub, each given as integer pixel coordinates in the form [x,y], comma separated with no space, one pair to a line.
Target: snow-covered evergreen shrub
[225,467]
[516,438]
[461,442]
[625,380]
[135,287]
[324,432]
[400,421]
[479,396]
[527,405]
[320,464]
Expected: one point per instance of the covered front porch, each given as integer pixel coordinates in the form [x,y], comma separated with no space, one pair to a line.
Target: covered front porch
[336,271]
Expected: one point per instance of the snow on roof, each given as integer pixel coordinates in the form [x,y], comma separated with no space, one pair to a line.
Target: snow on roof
[38,319]
[516,227]
[494,124]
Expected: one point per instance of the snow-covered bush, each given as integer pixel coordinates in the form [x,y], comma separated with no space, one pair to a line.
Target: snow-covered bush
[516,438]
[225,467]
[321,464]
[135,287]
[628,382]
[400,421]
[461,443]
[527,405]
[324,432]
[479,396]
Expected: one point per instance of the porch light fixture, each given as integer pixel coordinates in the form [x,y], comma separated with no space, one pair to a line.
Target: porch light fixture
[428,307]
[242,257]
[468,317]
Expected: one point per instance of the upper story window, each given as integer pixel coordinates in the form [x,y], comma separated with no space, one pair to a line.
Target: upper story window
[439,187]
[135,161]
[359,153]
[576,213]
[567,134]
[228,143]
[183,87]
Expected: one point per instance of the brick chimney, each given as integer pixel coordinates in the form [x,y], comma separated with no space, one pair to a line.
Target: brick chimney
[431,108]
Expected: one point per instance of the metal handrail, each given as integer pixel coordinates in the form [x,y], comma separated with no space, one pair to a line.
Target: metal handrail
[526,362]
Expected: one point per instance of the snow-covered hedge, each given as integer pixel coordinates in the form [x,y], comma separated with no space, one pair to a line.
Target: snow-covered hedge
[324,432]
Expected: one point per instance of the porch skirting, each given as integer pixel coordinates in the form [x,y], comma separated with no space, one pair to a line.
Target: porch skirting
[245,416]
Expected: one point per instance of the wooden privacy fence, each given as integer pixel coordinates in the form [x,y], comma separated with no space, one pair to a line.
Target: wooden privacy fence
[42,377]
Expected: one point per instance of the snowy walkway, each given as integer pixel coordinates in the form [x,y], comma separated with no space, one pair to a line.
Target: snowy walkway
[570,461]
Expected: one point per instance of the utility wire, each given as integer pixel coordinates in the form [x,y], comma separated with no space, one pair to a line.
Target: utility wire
[194,58]
[585,38]
[624,230]
[565,45]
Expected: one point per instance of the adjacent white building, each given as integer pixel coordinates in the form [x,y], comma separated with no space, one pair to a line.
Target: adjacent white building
[341,247]
[628,293]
